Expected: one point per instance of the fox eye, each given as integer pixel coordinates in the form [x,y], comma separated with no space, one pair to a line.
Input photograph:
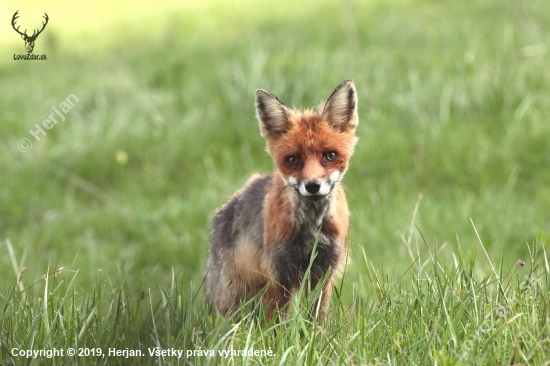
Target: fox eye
[293,160]
[330,156]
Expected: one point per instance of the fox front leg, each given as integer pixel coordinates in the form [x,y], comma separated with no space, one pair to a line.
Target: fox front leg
[277,297]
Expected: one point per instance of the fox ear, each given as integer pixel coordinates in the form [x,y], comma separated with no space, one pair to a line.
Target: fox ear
[340,110]
[273,115]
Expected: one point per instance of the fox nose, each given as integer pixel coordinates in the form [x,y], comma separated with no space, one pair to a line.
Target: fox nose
[313,187]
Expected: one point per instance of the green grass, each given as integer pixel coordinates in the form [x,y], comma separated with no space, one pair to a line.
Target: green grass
[453,152]
[443,315]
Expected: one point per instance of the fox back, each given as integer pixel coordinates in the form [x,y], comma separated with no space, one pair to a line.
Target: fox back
[265,234]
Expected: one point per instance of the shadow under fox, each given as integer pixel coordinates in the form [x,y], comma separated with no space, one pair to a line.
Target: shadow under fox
[264,235]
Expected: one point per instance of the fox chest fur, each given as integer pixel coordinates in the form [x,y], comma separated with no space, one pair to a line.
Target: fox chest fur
[264,236]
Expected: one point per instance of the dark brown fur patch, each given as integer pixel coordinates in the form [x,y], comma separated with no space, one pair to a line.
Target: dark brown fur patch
[265,234]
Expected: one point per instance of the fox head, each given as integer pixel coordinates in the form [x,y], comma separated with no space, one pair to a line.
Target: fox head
[311,148]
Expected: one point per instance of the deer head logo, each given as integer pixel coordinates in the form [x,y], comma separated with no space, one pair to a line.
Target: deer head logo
[29,40]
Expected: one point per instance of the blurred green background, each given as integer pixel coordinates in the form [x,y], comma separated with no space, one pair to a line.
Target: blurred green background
[454,107]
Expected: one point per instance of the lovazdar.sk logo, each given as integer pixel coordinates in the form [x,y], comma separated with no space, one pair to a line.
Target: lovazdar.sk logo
[29,40]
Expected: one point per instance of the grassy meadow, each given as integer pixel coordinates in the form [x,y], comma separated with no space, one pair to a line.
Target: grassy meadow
[104,222]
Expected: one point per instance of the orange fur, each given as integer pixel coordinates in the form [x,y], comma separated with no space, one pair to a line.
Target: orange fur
[265,234]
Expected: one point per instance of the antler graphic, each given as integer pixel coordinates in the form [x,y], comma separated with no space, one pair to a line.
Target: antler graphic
[29,40]
[15,16]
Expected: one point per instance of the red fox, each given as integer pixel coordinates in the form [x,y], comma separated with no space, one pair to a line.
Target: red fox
[264,235]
